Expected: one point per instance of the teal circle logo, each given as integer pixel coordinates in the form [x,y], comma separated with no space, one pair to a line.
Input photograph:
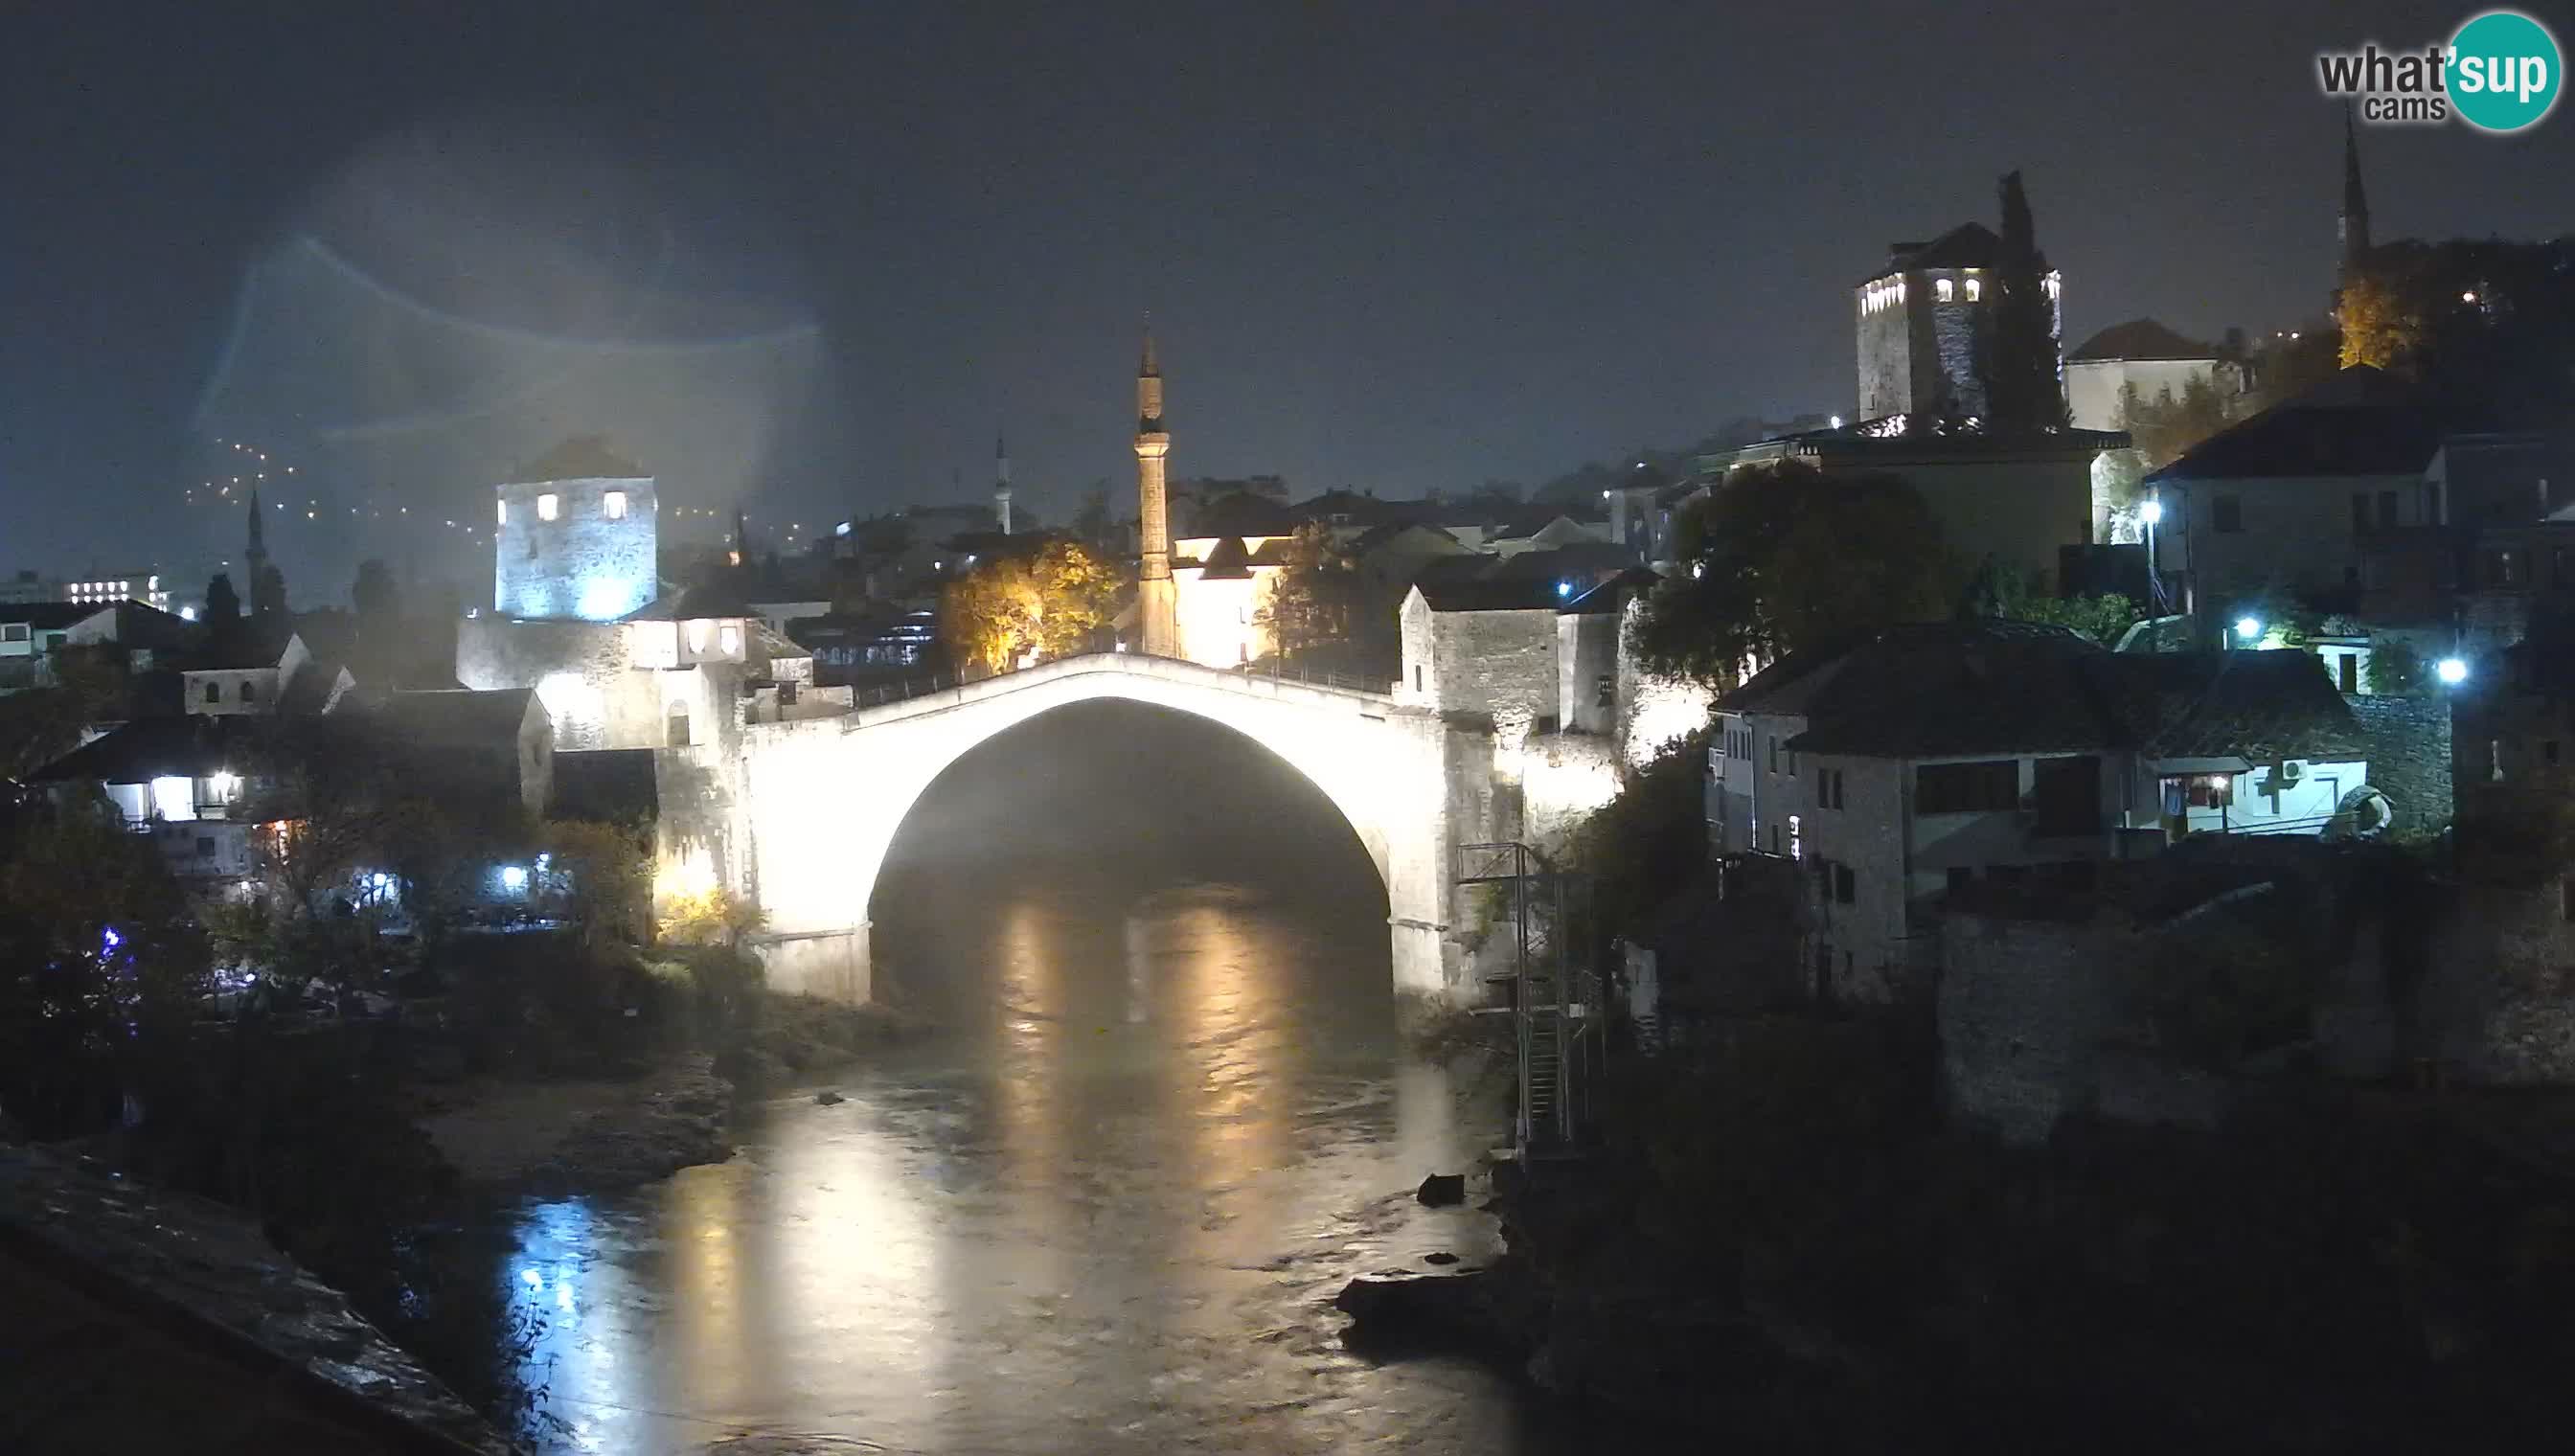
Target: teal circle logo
[2504,71]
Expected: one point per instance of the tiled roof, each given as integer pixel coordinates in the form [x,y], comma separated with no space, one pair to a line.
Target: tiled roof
[1524,594]
[1957,688]
[457,717]
[1968,245]
[2358,422]
[190,745]
[2139,339]
[580,458]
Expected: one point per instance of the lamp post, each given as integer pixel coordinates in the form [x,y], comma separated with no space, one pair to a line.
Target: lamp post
[2152,512]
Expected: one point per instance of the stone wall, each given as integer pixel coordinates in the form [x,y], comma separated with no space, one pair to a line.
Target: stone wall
[2023,1007]
[1500,664]
[585,564]
[1885,360]
[581,670]
[2409,756]
[1953,329]
[2501,1000]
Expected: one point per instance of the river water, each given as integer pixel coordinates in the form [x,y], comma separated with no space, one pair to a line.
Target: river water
[1107,1208]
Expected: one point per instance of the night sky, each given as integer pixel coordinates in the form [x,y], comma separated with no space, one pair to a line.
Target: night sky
[808,262]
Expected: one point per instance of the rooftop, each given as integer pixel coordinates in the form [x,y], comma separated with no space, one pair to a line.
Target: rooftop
[2140,339]
[2361,421]
[580,458]
[1968,245]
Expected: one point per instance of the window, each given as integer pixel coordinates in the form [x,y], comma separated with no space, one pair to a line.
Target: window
[2387,508]
[1796,837]
[1975,288]
[2227,514]
[728,639]
[613,505]
[676,727]
[2360,510]
[250,693]
[1775,756]
[1416,677]
[1846,885]
[1945,289]
[1948,789]
[1792,762]
[1828,788]
[214,692]
[547,504]
[501,516]
[2199,790]
[13,631]
[1605,694]
[2503,568]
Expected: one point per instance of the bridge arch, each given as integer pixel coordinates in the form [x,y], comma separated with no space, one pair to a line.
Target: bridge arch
[818,801]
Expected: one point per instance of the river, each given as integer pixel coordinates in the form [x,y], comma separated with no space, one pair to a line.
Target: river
[1107,1208]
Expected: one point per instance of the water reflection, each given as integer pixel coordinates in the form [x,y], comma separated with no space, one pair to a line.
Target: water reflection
[1109,1213]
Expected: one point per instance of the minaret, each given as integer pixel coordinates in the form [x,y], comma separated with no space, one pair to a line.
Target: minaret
[2354,227]
[1001,481]
[1157,598]
[255,556]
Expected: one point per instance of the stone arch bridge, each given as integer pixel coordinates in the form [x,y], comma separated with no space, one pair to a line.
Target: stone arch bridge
[806,809]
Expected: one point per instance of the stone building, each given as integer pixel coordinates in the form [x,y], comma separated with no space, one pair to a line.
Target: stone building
[2139,355]
[574,538]
[1918,319]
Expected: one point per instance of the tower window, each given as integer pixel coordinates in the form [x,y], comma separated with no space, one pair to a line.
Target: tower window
[503,517]
[547,504]
[1944,288]
[728,639]
[1975,288]
[612,505]
[214,692]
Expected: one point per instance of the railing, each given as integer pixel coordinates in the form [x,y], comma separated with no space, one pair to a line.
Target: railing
[903,690]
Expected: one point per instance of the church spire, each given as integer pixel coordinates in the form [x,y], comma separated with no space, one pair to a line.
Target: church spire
[257,551]
[2354,227]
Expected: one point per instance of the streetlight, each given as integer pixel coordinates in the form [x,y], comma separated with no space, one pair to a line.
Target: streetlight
[2451,671]
[2248,628]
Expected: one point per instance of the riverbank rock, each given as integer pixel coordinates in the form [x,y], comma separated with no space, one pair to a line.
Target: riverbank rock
[1443,1190]
[557,1138]
[1465,1306]
[829,1098]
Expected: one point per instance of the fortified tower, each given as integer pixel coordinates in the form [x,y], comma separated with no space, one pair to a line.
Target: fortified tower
[1919,319]
[576,538]
[1157,598]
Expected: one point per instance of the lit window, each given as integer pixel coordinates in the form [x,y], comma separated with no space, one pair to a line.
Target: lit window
[1975,288]
[614,506]
[503,517]
[698,636]
[546,506]
[728,641]
[1944,288]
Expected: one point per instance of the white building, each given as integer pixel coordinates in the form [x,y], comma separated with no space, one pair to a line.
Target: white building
[2141,355]
[1924,759]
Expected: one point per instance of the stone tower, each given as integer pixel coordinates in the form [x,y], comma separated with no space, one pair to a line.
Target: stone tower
[1001,482]
[1919,319]
[575,537]
[2353,227]
[1157,598]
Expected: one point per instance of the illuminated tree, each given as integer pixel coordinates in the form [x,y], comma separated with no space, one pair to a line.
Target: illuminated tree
[601,874]
[1010,610]
[1781,557]
[2382,326]
[1310,597]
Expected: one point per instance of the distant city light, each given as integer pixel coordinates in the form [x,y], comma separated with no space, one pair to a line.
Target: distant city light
[187,613]
[2248,628]
[2468,296]
[2152,512]
[2451,671]
[109,938]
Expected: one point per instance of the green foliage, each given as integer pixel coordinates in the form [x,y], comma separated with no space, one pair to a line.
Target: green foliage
[2396,668]
[711,916]
[1052,604]
[601,876]
[99,959]
[2024,596]
[1642,846]
[2164,428]
[2483,325]
[1311,598]
[1781,557]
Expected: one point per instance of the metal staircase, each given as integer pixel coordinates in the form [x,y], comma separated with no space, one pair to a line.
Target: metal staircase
[1550,998]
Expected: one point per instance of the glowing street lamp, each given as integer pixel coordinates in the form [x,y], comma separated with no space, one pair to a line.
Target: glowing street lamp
[2248,628]
[2451,671]
[2152,512]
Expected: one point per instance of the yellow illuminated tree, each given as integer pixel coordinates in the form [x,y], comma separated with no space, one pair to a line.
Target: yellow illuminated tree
[2383,323]
[1015,610]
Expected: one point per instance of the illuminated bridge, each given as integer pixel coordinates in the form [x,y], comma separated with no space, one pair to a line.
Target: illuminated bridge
[809,808]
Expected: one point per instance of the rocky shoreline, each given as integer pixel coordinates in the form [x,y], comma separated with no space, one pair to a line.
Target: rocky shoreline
[553,1139]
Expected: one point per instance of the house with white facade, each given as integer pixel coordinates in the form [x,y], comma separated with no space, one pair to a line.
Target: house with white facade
[2139,355]
[1920,761]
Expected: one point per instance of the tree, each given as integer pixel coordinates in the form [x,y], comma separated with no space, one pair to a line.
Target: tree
[2024,596]
[268,594]
[1781,557]
[2164,428]
[1094,524]
[2395,669]
[2383,326]
[223,604]
[98,959]
[710,916]
[1309,599]
[2487,328]
[601,874]
[375,596]
[2016,351]
[1012,610]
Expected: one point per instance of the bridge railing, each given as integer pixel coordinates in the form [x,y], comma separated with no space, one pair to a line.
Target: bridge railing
[882,693]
